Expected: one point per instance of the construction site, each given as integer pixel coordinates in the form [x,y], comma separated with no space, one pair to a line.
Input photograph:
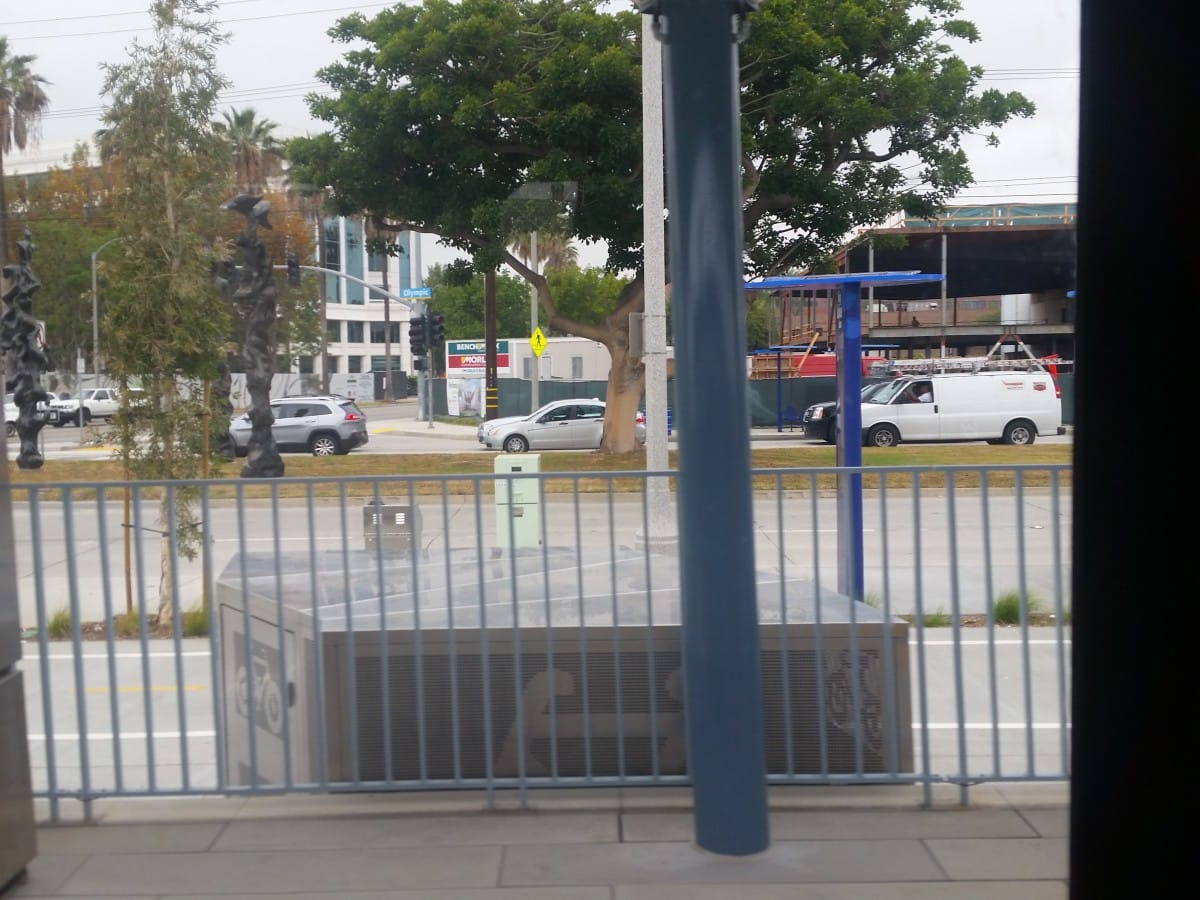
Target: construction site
[1006,298]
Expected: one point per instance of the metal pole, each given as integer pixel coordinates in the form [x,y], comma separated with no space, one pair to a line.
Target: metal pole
[535,367]
[95,323]
[96,311]
[654,332]
[722,675]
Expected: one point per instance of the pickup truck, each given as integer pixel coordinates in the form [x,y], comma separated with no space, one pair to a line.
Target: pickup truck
[93,403]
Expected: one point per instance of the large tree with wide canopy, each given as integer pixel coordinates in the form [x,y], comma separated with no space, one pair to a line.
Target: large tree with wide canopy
[449,117]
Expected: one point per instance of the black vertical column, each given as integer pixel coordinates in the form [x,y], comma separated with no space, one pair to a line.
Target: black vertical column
[1133,575]
[716,529]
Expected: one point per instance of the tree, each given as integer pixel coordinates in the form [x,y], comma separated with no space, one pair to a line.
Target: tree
[167,326]
[257,155]
[441,113]
[22,102]
[67,211]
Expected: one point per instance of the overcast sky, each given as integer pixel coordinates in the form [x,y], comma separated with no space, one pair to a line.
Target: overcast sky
[277,46]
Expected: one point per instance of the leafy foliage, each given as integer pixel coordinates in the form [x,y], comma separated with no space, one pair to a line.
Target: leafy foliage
[168,326]
[23,101]
[446,115]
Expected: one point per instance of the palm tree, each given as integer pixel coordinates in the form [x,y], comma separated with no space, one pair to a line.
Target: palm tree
[22,102]
[553,249]
[257,155]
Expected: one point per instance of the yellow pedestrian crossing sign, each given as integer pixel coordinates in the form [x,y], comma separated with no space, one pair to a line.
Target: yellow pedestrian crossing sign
[537,342]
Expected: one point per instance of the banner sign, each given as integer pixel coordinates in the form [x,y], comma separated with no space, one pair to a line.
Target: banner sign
[469,358]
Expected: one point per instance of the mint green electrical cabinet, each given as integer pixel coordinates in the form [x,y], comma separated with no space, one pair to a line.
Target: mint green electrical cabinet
[518,504]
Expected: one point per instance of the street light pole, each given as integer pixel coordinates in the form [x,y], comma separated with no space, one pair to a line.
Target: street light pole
[96,312]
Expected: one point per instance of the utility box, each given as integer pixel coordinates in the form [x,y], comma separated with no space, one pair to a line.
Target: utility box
[518,502]
[391,525]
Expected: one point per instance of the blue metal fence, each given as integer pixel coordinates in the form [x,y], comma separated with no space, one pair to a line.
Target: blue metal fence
[418,633]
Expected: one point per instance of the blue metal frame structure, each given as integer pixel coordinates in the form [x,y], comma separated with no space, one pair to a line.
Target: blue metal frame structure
[849,384]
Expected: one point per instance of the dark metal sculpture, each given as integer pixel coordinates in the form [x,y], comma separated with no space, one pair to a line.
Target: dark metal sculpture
[254,293]
[23,349]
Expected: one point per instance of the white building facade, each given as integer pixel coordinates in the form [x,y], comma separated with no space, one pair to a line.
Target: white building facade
[362,325]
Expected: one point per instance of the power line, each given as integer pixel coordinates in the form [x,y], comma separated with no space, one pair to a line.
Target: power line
[142,28]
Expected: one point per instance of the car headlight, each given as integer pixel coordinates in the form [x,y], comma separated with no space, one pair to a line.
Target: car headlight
[818,413]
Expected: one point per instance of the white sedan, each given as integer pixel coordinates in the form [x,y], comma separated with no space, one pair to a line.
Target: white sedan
[559,425]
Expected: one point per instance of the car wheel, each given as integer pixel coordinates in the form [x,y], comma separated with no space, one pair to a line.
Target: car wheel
[515,443]
[324,445]
[84,417]
[1019,432]
[10,428]
[831,432]
[883,436]
[59,424]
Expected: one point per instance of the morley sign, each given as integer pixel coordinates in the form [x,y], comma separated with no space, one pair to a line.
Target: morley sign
[468,359]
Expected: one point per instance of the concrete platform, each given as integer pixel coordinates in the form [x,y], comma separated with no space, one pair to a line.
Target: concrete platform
[828,843]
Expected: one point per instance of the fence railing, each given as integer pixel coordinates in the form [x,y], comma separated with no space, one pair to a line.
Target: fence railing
[507,632]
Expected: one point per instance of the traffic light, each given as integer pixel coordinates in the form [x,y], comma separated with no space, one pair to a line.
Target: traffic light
[293,269]
[416,336]
[420,364]
[437,328]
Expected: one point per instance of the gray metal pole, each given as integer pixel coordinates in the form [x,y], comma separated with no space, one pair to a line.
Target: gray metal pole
[658,490]
[722,682]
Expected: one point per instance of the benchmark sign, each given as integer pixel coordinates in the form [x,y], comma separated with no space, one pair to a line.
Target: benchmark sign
[468,359]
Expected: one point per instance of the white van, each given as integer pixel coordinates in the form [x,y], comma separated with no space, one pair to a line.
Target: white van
[997,407]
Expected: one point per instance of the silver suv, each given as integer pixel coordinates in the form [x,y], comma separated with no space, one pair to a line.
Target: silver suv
[322,426]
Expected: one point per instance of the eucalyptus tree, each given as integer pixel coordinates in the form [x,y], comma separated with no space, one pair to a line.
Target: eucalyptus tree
[167,325]
[442,112]
[23,100]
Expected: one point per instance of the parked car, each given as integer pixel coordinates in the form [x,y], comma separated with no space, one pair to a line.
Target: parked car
[93,403]
[11,412]
[322,425]
[559,425]
[820,419]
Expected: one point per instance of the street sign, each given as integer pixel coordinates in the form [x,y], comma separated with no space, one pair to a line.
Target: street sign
[419,293]
[537,342]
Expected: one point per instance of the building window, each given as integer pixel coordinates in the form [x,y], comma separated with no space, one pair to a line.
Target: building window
[353,364]
[376,262]
[331,241]
[354,332]
[306,365]
[333,331]
[577,368]
[380,329]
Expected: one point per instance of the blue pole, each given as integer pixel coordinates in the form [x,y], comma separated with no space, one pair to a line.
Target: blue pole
[722,680]
[849,444]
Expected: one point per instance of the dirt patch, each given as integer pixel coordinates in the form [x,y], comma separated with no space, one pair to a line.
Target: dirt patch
[96,631]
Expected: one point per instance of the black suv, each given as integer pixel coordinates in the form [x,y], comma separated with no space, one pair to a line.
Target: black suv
[820,419]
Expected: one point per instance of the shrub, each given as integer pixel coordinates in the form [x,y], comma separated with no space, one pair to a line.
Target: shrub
[1006,610]
[194,622]
[938,619]
[59,626]
[126,625]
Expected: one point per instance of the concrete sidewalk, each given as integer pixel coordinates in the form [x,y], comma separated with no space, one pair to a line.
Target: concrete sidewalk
[828,843]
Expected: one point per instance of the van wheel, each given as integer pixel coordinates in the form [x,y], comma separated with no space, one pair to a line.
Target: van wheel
[883,436]
[1019,432]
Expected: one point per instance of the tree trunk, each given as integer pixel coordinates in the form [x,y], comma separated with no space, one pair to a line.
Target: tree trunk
[626,381]
[166,581]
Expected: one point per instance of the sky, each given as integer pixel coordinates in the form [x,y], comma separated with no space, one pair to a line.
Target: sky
[276,48]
